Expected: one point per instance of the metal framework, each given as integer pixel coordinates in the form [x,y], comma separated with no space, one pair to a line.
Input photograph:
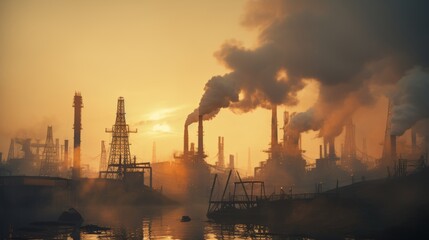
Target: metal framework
[235,201]
[119,157]
[49,164]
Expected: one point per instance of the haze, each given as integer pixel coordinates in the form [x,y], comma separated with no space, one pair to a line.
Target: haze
[158,55]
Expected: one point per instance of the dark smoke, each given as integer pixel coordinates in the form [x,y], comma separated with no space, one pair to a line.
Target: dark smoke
[347,46]
[410,101]
[193,116]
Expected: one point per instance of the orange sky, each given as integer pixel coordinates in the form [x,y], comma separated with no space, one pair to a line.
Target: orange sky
[158,55]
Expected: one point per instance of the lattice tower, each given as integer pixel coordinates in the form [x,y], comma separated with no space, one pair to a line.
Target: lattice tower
[49,164]
[103,157]
[120,156]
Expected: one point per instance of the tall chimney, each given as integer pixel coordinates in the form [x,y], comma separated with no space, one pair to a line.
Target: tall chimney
[200,138]
[223,152]
[192,149]
[77,104]
[274,137]
[285,123]
[332,147]
[320,152]
[325,147]
[220,143]
[393,147]
[185,143]
[231,161]
[66,154]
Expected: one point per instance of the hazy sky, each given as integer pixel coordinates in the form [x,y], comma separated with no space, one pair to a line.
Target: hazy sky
[158,55]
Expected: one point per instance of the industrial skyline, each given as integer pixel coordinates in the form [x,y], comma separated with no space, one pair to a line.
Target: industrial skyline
[153,55]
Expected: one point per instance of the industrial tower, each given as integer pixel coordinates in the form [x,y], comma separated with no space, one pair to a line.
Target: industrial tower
[221,154]
[120,156]
[49,164]
[77,126]
[349,151]
[103,157]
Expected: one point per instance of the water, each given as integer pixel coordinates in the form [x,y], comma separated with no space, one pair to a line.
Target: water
[149,223]
[165,223]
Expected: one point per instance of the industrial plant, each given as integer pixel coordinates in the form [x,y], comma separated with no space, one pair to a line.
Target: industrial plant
[45,173]
[328,99]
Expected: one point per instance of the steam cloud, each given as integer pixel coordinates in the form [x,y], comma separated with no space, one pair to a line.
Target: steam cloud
[347,46]
[411,101]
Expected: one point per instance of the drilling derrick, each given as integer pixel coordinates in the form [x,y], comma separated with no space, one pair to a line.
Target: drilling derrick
[49,164]
[120,157]
[103,157]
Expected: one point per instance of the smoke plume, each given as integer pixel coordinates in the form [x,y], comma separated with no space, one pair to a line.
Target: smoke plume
[347,46]
[193,116]
[410,101]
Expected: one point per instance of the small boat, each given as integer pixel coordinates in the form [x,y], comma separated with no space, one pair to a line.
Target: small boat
[185,219]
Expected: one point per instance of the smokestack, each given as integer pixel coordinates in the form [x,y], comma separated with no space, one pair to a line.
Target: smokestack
[185,142]
[274,137]
[77,104]
[200,138]
[393,147]
[285,122]
[192,150]
[413,141]
[320,152]
[221,161]
[325,148]
[66,154]
[332,147]
[231,161]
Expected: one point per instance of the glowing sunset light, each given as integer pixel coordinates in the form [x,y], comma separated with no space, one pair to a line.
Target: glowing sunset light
[161,128]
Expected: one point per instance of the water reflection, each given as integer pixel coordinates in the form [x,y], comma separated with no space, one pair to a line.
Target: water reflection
[164,223]
[149,223]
